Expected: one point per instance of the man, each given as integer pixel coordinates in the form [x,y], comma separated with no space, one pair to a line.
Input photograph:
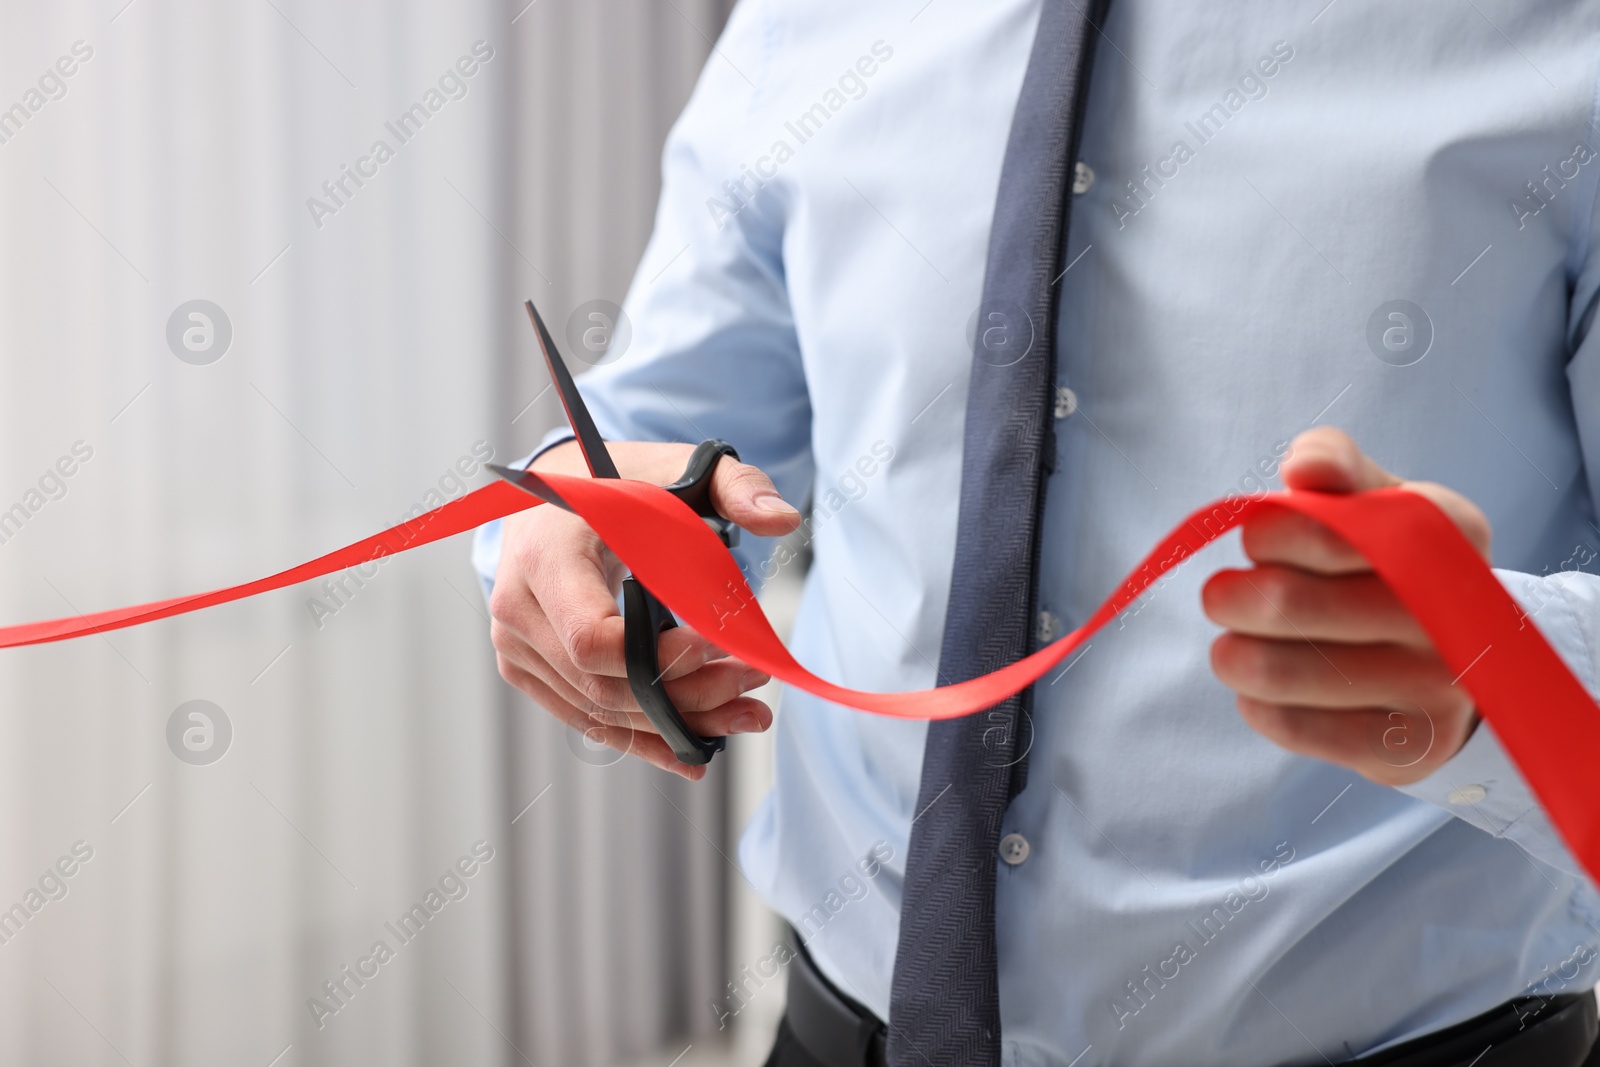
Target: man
[1003,315]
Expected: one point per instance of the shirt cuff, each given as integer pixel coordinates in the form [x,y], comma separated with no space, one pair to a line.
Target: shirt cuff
[1480,784]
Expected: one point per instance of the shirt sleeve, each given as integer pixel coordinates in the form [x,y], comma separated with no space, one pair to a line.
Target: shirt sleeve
[713,350]
[1480,784]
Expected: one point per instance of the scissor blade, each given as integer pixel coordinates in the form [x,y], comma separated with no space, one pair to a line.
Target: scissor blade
[530,483]
[590,442]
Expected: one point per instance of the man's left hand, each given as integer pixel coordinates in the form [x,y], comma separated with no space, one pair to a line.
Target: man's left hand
[1324,658]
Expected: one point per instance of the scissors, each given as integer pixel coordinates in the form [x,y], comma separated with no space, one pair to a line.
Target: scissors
[645,618]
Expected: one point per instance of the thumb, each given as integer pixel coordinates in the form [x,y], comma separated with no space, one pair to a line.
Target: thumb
[744,495]
[1324,458]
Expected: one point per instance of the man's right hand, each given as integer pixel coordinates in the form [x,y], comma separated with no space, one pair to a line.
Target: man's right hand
[557,632]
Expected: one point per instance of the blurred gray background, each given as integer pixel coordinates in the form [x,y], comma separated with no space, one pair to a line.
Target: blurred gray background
[360,349]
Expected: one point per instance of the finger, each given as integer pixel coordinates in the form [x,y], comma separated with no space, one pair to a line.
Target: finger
[607,700]
[602,698]
[580,630]
[568,577]
[714,685]
[1468,517]
[552,701]
[1295,540]
[546,654]
[682,651]
[745,495]
[646,746]
[1331,674]
[574,622]
[682,654]
[1390,745]
[554,561]
[710,701]
[1288,603]
[1290,539]
[1325,458]
[711,706]
[742,715]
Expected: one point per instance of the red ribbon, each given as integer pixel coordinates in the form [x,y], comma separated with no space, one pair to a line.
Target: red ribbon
[1542,714]
[473,510]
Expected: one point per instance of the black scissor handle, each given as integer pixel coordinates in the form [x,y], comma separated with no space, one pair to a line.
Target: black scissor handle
[694,486]
[645,618]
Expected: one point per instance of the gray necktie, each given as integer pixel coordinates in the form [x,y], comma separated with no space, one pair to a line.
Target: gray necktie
[944,1006]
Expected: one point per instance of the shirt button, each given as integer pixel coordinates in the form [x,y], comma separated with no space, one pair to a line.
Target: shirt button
[1049,627]
[1466,794]
[1082,178]
[1014,848]
[1066,401]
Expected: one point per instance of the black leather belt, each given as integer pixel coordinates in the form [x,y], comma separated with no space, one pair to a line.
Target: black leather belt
[1529,1032]
[1534,1032]
[835,1030]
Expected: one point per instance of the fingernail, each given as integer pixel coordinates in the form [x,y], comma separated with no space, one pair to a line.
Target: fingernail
[748,723]
[772,504]
[753,680]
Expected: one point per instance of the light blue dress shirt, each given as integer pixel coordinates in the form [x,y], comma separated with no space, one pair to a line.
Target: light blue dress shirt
[1371,214]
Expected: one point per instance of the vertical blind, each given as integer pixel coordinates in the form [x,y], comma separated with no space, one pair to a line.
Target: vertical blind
[260,266]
